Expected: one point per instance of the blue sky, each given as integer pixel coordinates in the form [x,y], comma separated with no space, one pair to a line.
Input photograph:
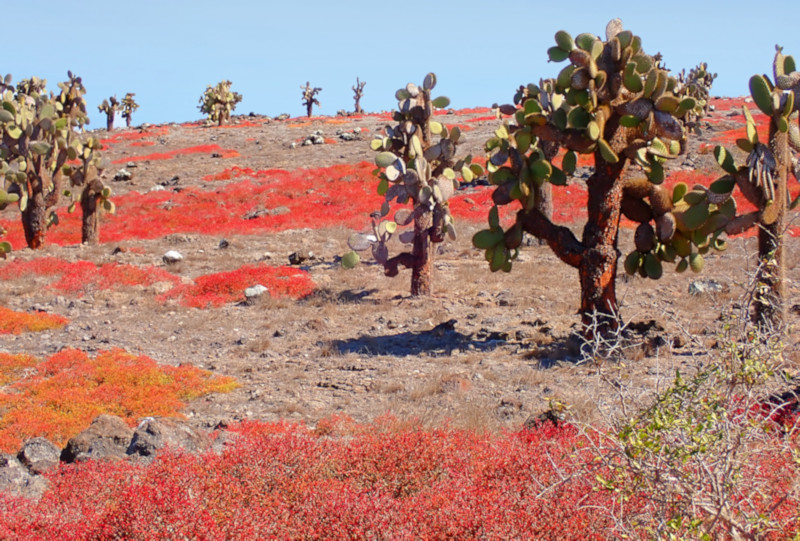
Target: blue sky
[168,51]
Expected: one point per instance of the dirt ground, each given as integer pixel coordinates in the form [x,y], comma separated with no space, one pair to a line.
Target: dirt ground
[486,351]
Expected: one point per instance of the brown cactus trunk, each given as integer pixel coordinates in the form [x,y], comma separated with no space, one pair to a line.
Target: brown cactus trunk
[770,309]
[598,263]
[422,254]
[128,121]
[110,120]
[90,228]
[34,221]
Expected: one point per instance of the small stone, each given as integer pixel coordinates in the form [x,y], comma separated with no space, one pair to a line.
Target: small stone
[122,175]
[700,287]
[39,455]
[131,165]
[224,244]
[253,292]
[172,257]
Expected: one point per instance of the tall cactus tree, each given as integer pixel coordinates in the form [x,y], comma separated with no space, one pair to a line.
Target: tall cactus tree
[309,97]
[129,105]
[218,102]
[618,104]
[763,181]
[415,168]
[38,138]
[358,92]
[110,108]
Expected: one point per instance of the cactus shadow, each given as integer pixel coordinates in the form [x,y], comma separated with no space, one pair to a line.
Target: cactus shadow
[347,296]
[442,340]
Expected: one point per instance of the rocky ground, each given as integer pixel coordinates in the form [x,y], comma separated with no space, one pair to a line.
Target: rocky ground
[486,351]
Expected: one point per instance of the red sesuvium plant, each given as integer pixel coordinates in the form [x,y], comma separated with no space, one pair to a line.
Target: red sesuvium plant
[415,169]
[213,290]
[618,104]
[344,480]
[58,397]
[13,322]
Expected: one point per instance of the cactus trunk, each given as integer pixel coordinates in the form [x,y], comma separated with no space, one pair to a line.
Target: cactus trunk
[34,221]
[110,120]
[598,264]
[770,309]
[128,121]
[422,256]
[90,228]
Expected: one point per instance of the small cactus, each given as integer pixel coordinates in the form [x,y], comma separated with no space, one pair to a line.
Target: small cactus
[218,102]
[129,105]
[110,108]
[309,97]
[417,169]
[358,92]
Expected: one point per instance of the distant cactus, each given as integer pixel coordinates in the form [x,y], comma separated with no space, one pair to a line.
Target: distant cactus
[218,102]
[358,91]
[620,105]
[309,99]
[39,137]
[414,168]
[129,105]
[763,181]
[110,108]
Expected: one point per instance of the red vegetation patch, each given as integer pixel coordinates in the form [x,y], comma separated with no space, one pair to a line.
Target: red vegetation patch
[281,481]
[299,124]
[12,322]
[143,144]
[481,118]
[64,393]
[135,135]
[199,149]
[217,289]
[11,366]
[81,276]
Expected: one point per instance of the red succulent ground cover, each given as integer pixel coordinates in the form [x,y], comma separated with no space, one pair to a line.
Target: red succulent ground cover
[60,396]
[143,144]
[199,149]
[132,135]
[213,290]
[285,481]
[13,322]
[386,480]
[79,277]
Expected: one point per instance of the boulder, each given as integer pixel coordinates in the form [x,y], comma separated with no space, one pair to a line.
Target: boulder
[39,455]
[108,437]
[154,434]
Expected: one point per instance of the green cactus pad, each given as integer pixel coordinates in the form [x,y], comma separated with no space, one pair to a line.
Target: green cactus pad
[762,94]
[569,162]
[5,247]
[565,41]
[696,262]
[652,267]
[682,265]
[607,152]
[725,160]
[441,102]
[385,159]
[350,260]
[557,54]
[632,262]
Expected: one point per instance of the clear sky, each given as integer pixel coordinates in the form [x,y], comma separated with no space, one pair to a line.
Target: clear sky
[168,51]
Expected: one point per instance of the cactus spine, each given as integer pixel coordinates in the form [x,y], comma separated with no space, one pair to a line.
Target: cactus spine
[417,165]
[616,103]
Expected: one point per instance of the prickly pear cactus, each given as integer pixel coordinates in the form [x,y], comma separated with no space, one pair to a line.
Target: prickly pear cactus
[110,108]
[358,92]
[218,102]
[617,103]
[417,166]
[129,105]
[763,180]
[38,138]
[309,97]
[95,196]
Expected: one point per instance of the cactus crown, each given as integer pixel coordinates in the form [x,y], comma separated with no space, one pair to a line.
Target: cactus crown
[218,102]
